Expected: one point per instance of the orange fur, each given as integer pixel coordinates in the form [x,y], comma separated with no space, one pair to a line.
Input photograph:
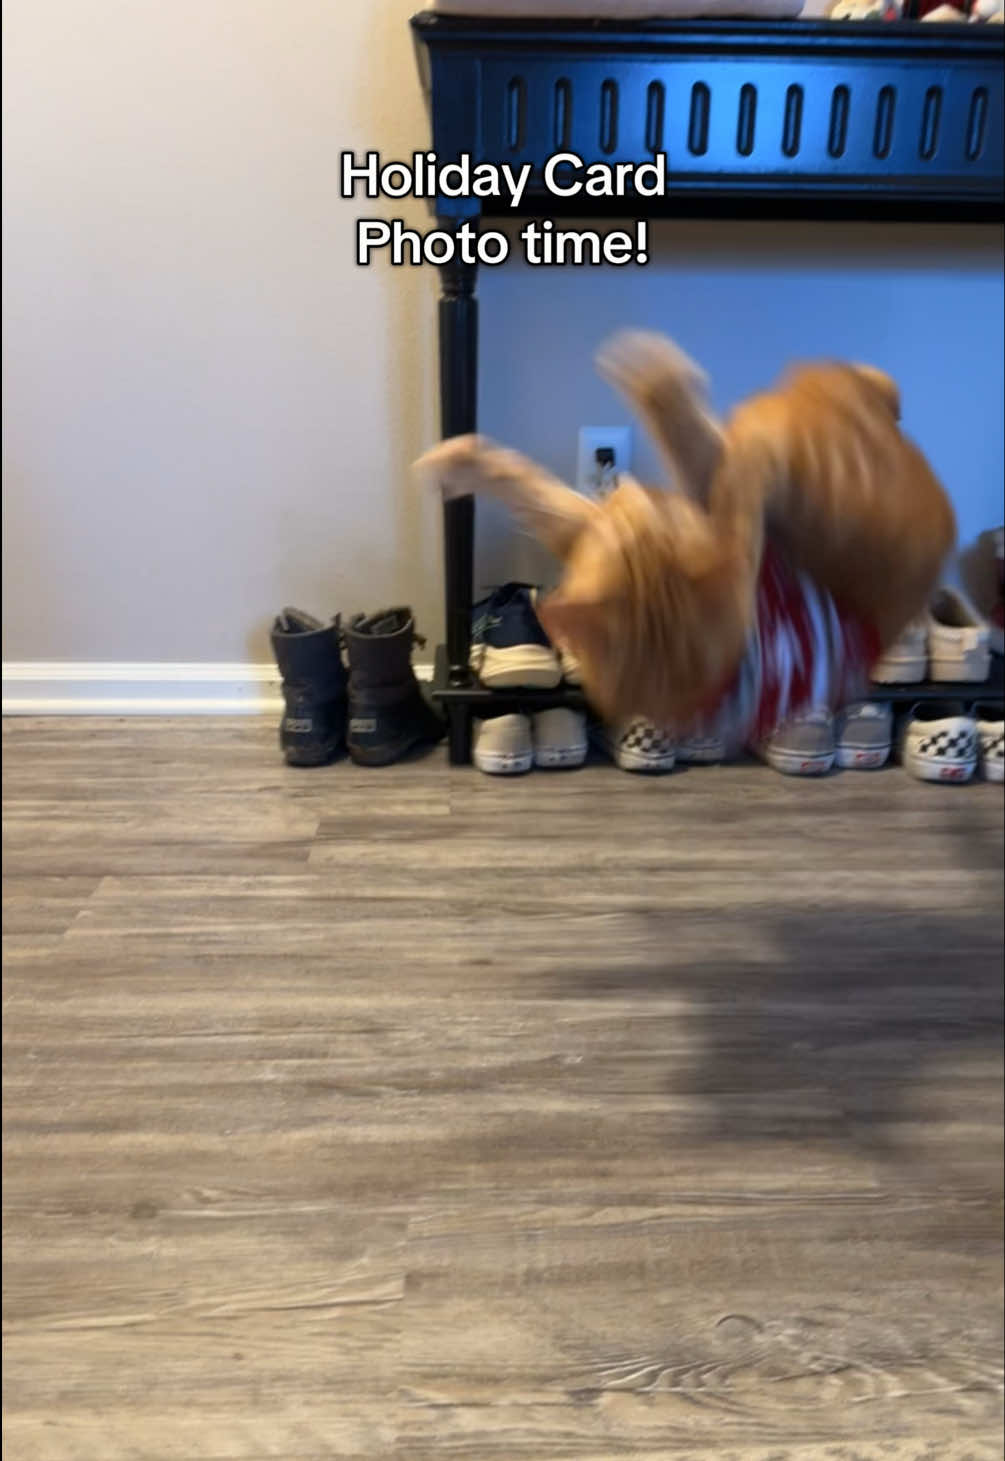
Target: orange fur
[851,499]
[655,603]
[658,586]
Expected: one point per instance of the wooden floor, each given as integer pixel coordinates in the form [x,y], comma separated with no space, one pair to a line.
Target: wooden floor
[414,1114]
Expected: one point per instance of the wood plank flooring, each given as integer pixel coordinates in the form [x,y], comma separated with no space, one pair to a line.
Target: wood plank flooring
[413,1114]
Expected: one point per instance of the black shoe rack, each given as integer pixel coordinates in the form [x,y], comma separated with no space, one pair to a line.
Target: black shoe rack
[992,690]
[784,119]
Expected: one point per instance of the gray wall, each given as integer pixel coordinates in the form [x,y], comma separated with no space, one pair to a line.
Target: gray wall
[210,409]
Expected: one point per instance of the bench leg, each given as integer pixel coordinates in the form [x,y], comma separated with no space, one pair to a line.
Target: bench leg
[458,415]
[459,735]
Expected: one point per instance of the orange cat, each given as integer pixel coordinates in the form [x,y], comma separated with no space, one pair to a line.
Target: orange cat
[659,593]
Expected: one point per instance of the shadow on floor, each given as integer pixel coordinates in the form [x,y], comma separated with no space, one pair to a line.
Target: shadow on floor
[879,1029]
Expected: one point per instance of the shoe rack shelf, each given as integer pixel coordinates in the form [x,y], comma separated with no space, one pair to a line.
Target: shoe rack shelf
[478,698]
[779,119]
[991,690]
[472,698]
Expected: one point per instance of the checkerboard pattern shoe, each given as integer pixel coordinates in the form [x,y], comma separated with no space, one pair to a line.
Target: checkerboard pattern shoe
[638,745]
[863,733]
[991,741]
[559,737]
[940,742]
[502,745]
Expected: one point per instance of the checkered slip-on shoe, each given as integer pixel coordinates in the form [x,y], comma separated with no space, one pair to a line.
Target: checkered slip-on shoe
[803,746]
[940,742]
[502,745]
[864,735]
[990,741]
[559,738]
[637,745]
[958,640]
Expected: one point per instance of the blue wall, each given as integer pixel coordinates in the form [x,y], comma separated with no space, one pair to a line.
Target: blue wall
[924,303]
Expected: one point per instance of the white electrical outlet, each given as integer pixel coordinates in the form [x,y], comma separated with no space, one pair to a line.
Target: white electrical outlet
[593,474]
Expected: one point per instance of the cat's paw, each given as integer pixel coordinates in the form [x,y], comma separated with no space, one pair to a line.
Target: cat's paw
[454,467]
[645,365]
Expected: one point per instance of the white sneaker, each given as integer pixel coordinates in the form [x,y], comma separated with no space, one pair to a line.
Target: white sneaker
[906,661]
[864,735]
[958,639]
[559,737]
[991,741]
[637,745]
[940,742]
[502,745]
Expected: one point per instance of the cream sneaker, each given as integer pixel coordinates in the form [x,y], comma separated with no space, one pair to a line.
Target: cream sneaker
[906,661]
[958,639]
[559,737]
[502,745]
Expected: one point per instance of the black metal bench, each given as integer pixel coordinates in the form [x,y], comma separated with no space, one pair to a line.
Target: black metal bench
[791,119]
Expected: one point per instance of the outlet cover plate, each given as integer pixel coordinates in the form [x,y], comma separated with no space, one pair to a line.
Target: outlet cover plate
[591,440]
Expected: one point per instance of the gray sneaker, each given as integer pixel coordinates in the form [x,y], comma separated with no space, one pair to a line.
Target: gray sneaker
[864,734]
[803,746]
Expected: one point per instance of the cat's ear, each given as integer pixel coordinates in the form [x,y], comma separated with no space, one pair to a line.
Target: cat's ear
[552,512]
[668,392]
[884,384]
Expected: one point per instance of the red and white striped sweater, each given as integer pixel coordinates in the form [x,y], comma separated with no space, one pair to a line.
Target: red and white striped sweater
[804,652]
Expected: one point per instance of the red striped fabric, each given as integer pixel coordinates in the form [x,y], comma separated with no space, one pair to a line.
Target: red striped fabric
[812,652]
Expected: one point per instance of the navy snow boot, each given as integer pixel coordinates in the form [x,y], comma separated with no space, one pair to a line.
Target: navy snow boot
[315,688]
[387,712]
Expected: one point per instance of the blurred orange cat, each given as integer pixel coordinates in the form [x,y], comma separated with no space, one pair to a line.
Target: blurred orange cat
[657,594]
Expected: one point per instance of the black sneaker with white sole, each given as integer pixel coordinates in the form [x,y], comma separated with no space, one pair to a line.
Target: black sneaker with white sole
[509,648]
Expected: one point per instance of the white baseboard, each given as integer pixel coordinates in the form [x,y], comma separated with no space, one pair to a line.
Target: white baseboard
[48,687]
